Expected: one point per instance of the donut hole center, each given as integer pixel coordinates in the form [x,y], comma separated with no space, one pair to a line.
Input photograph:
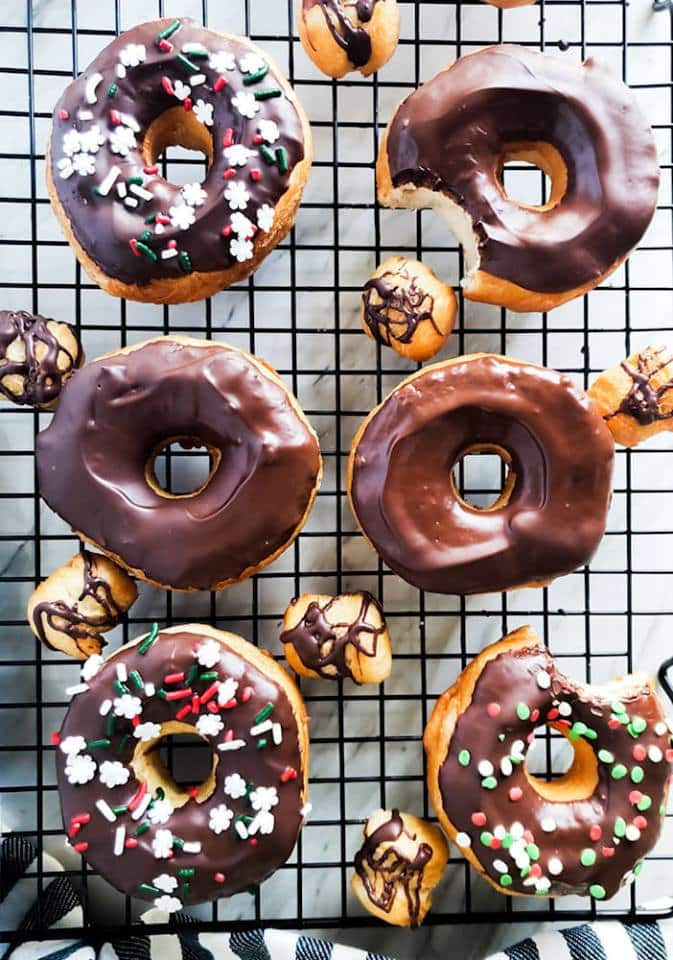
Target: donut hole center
[182,142]
[482,477]
[534,176]
[182,467]
[561,770]
[179,762]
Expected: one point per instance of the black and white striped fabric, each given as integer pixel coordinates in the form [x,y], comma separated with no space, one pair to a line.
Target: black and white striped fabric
[59,907]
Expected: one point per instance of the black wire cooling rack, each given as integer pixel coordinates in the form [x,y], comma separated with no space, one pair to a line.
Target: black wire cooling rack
[300,313]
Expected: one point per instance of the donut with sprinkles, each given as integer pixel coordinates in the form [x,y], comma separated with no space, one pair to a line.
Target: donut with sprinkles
[586,832]
[173,82]
[148,835]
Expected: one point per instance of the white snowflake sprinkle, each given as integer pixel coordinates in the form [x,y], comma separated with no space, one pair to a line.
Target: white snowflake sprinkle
[209,725]
[237,155]
[237,195]
[65,168]
[251,63]
[127,706]
[182,90]
[264,798]
[220,818]
[91,667]
[221,61]
[204,112]
[268,130]
[209,653]
[112,773]
[265,217]
[147,731]
[133,54]
[263,823]
[168,904]
[83,164]
[162,844]
[92,139]
[165,882]
[234,786]
[227,690]
[241,249]
[72,745]
[80,768]
[194,194]
[242,227]
[122,139]
[161,811]
[71,143]
[246,104]
[182,216]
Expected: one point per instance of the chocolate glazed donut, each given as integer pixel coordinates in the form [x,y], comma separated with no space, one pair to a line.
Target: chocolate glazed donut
[553,509]
[448,142]
[95,461]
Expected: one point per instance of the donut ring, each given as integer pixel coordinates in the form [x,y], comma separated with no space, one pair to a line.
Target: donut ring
[96,461]
[344,35]
[174,82]
[584,833]
[448,142]
[553,509]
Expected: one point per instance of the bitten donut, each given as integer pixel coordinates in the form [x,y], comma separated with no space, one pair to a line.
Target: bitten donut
[405,306]
[552,512]
[344,35]
[636,397]
[96,459]
[78,602]
[174,82]
[447,145]
[337,637]
[37,356]
[584,833]
[123,811]
[399,864]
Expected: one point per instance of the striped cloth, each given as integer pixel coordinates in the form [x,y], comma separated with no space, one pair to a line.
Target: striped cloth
[59,907]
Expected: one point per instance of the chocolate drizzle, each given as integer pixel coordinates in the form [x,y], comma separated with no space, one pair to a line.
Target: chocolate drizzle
[62,618]
[42,378]
[452,134]
[643,401]
[401,308]
[353,39]
[322,645]
[382,873]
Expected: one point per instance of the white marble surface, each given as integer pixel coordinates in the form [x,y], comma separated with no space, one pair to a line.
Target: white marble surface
[583,613]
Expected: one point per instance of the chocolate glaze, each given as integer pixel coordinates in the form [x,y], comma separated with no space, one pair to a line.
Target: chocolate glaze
[643,401]
[321,645]
[42,379]
[61,617]
[450,136]
[353,39]
[104,225]
[241,863]
[391,868]
[398,304]
[117,411]
[561,452]
[509,681]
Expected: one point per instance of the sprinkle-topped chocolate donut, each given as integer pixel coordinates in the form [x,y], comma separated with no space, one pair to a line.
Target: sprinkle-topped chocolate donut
[586,832]
[161,83]
[553,509]
[37,355]
[448,143]
[123,811]
[96,461]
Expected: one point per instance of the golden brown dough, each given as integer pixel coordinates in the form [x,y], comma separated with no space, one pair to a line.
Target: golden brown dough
[344,35]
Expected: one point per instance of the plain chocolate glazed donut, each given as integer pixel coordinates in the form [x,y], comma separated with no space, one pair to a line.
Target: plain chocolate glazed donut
[552,511]
[448,142]
[95,461]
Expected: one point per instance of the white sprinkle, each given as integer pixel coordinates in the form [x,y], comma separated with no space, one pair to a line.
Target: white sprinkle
[548,825]
[241,829]
[506,767]
[108,181]
[78,688]
[120,839]
[142,806]
[544,883]
[500,833]
[150,689]
[500,866]
[485,768]
[306,809]
[655,754]
[159,228]
[85,114]
[231,745]
[130,202]
[197,79]
[192,847]
[65,171]
[103,807]
[564,708]
[555,866]
[141,192]
[543,680]
[90,89]
[168,253]
[194,48]
[120,70]
[277,733]
[261,728]
[517,830]
[530,882]
[105,708]
[122,673]
[463,840]
[130,122]
[661,729]
[518,748]
[632,833]
[121,190]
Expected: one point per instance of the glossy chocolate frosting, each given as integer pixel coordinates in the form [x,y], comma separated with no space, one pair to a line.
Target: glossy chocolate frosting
[42,378]
[226,862]
[354,40]
[398,310]
[451,135]
[575,847]
[125,106]
[561,455]
[115,414]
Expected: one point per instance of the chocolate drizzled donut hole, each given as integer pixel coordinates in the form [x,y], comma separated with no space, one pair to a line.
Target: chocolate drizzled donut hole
[344,35]
[37,357]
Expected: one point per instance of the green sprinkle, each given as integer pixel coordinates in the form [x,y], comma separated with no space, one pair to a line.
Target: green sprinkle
[489,783]
[637,775]
[110,725]
[256,77]
[191,676]
[122,743]
[516,760]
[261,743]
[267,155]
[605,756]
[587,857]
[186,64]
[464,758]
[638,869]
[268,94]
[662,810]
[246,819]
[112,90]
[185,261]
[507,841]
[148,251]
[501,737]
[184,889]
[577,730]
[505,880]
[486,838]
[169,30]
[211,675]
[142,828]
[591,734]
[523,711]
[644,803]
[597,891]
[524,872]
[137,680]
[186,872]
[120,810]
[196,54]
[120,688]
[281,157]
[533,851]
[161,693]
[149,639]
[264,713]
[145,236]
[620,827]
[97,744]
[637,726]
[148,888]
[619,771]
[177,842]
[160,793]
[152,217]
[618,707]
[135,179]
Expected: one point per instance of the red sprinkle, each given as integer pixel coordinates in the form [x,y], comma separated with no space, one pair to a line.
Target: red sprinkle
[536,870]
[74,830]
[81,818]
[229,174]
[639,752]
[228,137]
[230,704]
[535,716]
[220,878]
[479,819]
[640,822]
[528,837]
[255,175]
[531,736]
[115,116]
[131,843]
[187,104]
[608,852]
[515,794]
[493,709]
[196,704]
[179,694]
[635,797]
[289,773]
[174,677]
[213,706]
[253,841]
[229,735]
[137,796]
[669,756]
[219,83]
[595,833]
[63,114]
[614,724]
[495,844]
[133,244]
[55,738]
[210,692]
[136,721]
[227,231]
[553,714]
[172,244]
[258,139]
[81,847]
[567,724]
[164,220]
[165,45]
[183,711]
[150,171]
[247,693]
[168,86]
[193,792]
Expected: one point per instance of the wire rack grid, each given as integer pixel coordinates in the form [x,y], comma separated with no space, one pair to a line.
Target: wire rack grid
[300,312]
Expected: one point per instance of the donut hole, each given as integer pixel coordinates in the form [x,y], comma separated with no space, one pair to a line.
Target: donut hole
[179,128]
[561,770]
[179,762]
[527,172]
[482,477]
[182,467]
